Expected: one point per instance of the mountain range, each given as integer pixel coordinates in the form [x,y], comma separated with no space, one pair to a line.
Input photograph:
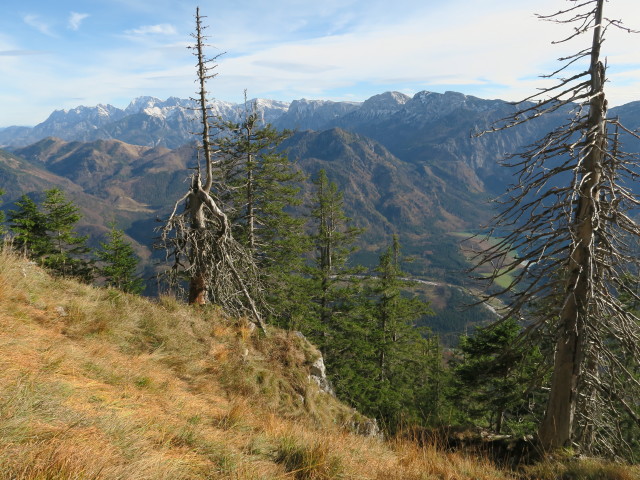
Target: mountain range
[406,165]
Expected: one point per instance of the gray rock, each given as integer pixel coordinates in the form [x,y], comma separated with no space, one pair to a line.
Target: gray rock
[318,374]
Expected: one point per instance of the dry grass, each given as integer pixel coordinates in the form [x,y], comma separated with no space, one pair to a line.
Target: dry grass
[581,469]
[97,384]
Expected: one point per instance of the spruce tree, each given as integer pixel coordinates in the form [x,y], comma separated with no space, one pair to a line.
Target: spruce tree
[120,262]
[495,375]
[434,387]
[258,186]
[28,226]
[571,209]
[199,239]
[402,355]
[333,281]
[47,234]
[68,250]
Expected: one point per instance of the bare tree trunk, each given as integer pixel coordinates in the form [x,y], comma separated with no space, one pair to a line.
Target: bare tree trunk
[199,239]
[251,215]
[198,289]
[576,245]
[198,282]
[557,427]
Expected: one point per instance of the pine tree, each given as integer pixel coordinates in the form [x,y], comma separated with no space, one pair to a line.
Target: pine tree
[495,375]
[47,233]
[332,279]
[258,187]
[120,262]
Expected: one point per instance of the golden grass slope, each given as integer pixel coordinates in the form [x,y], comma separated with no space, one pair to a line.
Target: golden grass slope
[97,384]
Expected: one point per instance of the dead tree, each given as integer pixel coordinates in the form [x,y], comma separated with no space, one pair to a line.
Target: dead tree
[199,239]
[568,240]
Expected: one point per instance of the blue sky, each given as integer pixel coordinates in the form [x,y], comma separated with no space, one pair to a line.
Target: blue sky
[64,53]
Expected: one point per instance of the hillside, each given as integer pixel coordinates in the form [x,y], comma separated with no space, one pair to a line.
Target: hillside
[97,384]
[102,385]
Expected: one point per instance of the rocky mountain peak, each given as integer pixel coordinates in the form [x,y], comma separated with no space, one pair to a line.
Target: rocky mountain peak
[100,111]
[314,114]
[140,104]
[387,102]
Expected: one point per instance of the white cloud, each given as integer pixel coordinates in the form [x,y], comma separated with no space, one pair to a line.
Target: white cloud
[498,52]
[335,49]
[160,29]
[75,19]
[37,23]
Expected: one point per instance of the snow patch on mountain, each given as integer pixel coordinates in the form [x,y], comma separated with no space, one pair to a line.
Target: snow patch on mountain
[314,114]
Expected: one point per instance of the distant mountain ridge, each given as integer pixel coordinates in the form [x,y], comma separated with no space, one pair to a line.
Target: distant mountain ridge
[428,137]
[149,121]
[390,117]
[407,165]
[146,121]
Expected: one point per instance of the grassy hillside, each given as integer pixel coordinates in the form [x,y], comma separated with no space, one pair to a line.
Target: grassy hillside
[97,384]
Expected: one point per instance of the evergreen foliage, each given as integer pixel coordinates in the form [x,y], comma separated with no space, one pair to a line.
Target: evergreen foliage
[404,361]
[67,248]
[333,281]
[494,375]
[377,358]
[120,262]
[47,234]
[258,186]
[28,226]
[3,229]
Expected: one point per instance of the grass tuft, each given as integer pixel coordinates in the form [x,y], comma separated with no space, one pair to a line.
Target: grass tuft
[305,460]
[581,469]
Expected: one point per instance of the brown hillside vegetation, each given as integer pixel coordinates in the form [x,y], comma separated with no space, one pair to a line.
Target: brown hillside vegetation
[97,384]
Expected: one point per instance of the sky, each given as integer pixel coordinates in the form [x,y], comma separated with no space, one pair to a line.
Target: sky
[58,54]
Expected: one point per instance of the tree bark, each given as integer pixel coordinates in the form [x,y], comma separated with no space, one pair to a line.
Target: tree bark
[557,428]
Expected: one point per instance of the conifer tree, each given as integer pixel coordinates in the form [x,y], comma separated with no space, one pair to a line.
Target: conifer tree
[377,359]
[570,210]
[433,388]
[401,353]
[332,279]
[28,226]
[67,248]
[47,234]
[199,239]
[495,375]
[120,262]
[258,186]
